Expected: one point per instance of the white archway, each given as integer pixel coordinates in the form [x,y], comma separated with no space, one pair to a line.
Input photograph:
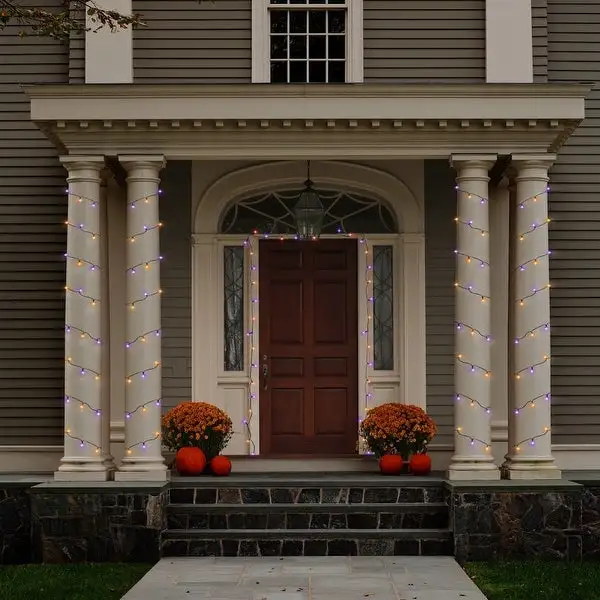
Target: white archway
[406,382]
[342,176]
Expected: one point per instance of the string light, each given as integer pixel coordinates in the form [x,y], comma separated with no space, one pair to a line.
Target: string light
[143,443]
[81,227]
[83,404]
[82,370]
[470,260]
[80,262]
[79,292]
[143,266]
[531,440]
[251,333]
[533,261]
[533,333]
[82,442]
[82,333]
[253,366]
[142,337]
[473,440]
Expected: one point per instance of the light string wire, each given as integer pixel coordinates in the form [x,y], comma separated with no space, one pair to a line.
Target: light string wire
[251,334]
[142,409]
[532,332]
[70,328]
[534,261]
[250,261]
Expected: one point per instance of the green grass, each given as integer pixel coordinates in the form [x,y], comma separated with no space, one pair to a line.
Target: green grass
[69,582]
[530,580]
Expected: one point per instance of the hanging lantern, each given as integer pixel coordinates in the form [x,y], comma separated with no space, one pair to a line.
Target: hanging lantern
[309,211]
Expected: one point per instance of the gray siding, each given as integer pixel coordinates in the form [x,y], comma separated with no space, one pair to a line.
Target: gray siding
[440,208]
[574,56]
[77,50]
[176,281]
[187,41]
[424,41]
[32,243]
[539,13]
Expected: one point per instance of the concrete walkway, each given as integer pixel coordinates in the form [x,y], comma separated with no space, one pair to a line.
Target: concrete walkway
[306,578]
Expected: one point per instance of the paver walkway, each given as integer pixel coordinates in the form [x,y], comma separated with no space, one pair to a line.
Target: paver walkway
[307,578]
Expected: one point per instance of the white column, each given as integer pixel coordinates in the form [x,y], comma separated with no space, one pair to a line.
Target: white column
[508,41]
[143,458]
[472,457]
[530,454]
[87,455]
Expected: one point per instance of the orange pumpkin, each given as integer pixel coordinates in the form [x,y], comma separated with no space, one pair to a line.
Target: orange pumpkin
[190,461]
[391,464]
[420,464]
[220,465]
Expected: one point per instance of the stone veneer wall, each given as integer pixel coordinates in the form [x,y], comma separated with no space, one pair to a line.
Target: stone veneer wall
[97,522]
[15,524]
[501,520]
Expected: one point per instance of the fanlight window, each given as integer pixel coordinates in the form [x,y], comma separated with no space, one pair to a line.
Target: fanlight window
[273,212]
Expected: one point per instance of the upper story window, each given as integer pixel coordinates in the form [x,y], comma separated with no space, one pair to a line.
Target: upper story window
[307,41]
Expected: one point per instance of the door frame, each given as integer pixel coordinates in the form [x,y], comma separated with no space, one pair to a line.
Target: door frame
[230,390]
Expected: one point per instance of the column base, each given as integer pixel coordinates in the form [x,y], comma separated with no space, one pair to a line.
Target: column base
[82,475]
[530,470]
[74,469]
[473,473]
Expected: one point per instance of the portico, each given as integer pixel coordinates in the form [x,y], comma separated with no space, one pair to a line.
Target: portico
[142,127]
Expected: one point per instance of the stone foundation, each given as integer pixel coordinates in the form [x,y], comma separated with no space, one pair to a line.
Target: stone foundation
[65,522]
[97,522]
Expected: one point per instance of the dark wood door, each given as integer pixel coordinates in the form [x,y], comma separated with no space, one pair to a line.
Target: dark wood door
[308,347]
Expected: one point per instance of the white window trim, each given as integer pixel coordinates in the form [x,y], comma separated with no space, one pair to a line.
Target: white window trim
[260,42]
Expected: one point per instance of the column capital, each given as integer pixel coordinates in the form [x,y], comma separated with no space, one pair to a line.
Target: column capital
[74,163]
[460,161]
[147,161]
[537,161]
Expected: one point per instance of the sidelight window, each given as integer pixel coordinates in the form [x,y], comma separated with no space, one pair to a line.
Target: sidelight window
[233,308]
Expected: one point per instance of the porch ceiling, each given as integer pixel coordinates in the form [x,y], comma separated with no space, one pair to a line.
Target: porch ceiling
[272,122]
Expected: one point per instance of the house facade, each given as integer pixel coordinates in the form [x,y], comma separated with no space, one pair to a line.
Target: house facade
[150,182]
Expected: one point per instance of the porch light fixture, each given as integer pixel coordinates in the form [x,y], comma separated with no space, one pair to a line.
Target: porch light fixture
[309,211]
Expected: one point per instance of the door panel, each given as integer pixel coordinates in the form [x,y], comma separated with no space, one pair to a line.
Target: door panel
[308,346]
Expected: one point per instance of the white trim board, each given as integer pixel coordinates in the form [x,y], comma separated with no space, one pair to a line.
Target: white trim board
[45,459]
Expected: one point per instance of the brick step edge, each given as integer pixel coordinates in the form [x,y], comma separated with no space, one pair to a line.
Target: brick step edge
[298,546]
[341,508]
[314,534]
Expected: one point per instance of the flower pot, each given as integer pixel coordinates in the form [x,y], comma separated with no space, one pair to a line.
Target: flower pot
[391,464]
[190,461]
[420,464]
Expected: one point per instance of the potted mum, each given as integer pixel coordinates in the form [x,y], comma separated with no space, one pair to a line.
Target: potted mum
[198,432]
[402,431]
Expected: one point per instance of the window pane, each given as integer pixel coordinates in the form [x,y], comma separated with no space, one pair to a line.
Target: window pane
[337,71]
[297,46]
[298,21]
[316,46]
[233,358]
[336,21]
[337,46]
[383,308]
[316,70]
[298,72]
[316,21]
[279,46]
[279,20]
[279,72]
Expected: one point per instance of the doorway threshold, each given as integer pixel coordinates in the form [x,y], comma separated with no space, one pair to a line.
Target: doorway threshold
[256,464]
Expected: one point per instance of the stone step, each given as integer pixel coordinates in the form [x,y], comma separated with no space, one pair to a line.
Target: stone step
[308,542]
[298,494]
[308,516]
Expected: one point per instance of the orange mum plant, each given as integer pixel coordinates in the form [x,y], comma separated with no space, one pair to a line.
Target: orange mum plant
[197,424]
[395,428]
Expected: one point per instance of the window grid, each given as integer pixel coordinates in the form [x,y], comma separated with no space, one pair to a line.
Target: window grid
[307,41]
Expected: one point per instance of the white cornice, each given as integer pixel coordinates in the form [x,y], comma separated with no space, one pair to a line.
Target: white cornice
[347,121]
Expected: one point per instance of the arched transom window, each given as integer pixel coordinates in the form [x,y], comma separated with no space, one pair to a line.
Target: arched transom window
[273,212]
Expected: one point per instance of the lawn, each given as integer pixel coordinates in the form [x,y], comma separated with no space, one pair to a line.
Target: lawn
[530,580]
[69,582]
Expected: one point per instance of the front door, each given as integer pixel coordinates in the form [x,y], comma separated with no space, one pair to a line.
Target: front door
[308,347]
